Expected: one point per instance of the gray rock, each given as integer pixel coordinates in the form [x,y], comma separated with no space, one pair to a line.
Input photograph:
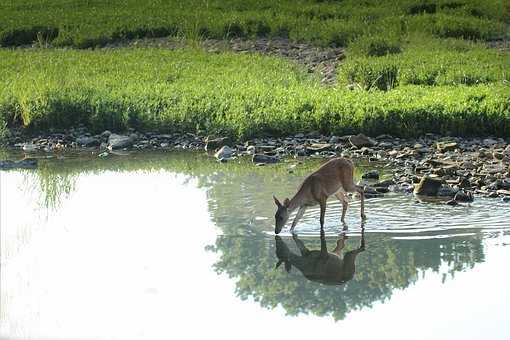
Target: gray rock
[318,147]
[264,159]
[28,163]
[462,196]
[361,140]
[224,153]
[384,184]
[120,141]
[87,141]
[447,191]
[29,147]
[106,134]
[215,143]
[427,186]
[373,174]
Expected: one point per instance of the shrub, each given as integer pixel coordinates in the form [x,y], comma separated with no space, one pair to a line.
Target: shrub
[27,35]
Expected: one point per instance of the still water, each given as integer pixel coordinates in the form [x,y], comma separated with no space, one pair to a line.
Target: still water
[176,245]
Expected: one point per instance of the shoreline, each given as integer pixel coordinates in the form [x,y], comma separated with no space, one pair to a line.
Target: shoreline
[472,166]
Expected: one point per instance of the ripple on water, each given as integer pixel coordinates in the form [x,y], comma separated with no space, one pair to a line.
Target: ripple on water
[406,217]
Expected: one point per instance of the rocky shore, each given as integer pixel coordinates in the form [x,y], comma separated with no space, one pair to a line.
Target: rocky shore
[455,169]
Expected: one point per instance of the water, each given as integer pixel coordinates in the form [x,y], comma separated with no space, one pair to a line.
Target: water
[175,245]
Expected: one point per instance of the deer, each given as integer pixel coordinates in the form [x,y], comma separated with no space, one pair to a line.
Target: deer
[328,268]
[335,177]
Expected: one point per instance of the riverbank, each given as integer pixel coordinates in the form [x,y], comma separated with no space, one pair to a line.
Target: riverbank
[479,166]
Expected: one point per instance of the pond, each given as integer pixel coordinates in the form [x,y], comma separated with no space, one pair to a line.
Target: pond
[177,245]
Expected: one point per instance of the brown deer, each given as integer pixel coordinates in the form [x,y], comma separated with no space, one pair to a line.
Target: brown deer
[335,177]
[320,266]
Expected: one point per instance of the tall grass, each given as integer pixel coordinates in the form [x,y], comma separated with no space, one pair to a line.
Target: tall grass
[428,62]
[90,23]
[237,95]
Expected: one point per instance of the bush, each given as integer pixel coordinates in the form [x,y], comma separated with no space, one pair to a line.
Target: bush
[27,35]
[373,46]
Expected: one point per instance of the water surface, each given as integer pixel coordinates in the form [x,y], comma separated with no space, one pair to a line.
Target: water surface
[171,245]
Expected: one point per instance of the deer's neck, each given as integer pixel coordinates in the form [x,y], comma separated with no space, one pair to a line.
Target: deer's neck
[295,202]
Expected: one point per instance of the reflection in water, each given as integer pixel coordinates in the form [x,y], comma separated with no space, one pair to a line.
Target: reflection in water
[329,268]
[407,241]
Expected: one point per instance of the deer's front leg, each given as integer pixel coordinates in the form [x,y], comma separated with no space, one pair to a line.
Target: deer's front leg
[323,211]
[299,214]
[345,202]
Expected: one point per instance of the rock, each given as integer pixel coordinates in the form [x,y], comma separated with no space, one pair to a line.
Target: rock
[264,159]
[87,141]
[462,196]
[28,163]
[360,141]
[445,146]
[506,199]
[250,150]
[384,184]
[120,141]
[319,147]
[452,202]
[447,191]
[370,192]
[504,192]
[106,134]
[427,186]
[224,153]
[373,174]
[29,147]
[215,143]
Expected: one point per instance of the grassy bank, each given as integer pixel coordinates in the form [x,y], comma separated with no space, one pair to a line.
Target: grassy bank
[238,95]
[89,23]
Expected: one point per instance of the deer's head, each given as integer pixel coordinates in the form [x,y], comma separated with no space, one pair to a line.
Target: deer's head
[282,214]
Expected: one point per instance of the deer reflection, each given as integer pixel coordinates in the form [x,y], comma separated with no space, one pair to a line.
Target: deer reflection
[328,268]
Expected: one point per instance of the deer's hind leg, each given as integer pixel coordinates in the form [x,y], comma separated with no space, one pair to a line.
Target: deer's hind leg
[345,203]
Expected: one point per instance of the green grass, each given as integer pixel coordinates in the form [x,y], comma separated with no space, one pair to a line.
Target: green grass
[425,61]
[238,95]
[417,66]
[89,23]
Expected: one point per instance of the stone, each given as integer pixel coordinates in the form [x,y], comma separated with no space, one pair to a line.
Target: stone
[447,191]
[215,143]
[462,196]
[319,147]
[503,192]
[87,141]
[446,146]
[452,202]
[27,163]
[120,141]
[384,184]
[265,159]
[360,141]
[224,153]
[29,147]
[427,186]
[373,174]
[106,134]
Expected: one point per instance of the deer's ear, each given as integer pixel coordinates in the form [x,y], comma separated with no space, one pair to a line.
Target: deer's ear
[276,201]
[286,202]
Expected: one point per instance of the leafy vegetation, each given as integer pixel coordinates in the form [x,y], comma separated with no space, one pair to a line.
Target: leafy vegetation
[416,66]
[427,62]
[225,93]
[96,22]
